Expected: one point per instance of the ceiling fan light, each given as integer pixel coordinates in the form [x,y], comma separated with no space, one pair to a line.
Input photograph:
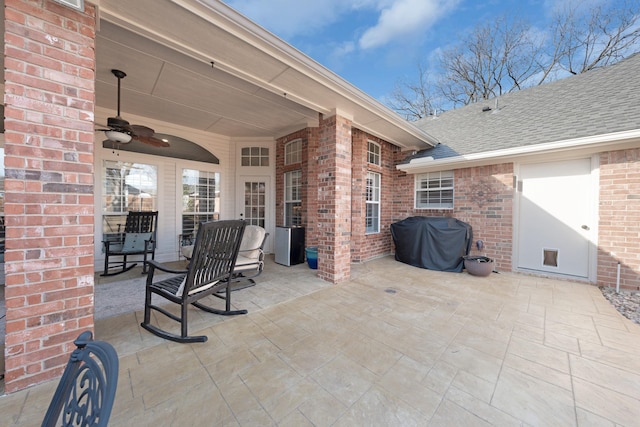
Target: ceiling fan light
[117,136]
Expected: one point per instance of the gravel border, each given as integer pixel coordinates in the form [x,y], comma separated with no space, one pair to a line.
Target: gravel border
[626,302]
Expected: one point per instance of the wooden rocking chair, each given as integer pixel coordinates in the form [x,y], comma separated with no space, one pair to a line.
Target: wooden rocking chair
[210,270]
[87,389]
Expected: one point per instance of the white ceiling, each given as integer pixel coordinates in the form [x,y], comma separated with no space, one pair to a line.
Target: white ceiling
[201,65]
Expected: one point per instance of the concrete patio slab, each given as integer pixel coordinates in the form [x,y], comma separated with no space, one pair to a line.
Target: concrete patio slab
[394,346]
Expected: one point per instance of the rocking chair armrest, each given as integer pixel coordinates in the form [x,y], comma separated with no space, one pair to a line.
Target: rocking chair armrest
[163,267]
[259,248]
[116,238]
[107,243]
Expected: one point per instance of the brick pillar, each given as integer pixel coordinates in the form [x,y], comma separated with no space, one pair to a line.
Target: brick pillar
[334,199]
[49,204]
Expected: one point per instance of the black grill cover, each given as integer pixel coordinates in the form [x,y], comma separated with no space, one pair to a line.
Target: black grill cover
[434,243]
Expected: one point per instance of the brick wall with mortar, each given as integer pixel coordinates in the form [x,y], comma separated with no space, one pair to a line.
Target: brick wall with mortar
[49,204]
[619,224]
[368,246]
[483,198]
[334,155]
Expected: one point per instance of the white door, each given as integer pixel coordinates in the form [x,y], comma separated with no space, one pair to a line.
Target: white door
[556,217]
[254,202]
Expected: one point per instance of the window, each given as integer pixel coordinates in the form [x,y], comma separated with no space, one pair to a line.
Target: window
[200,198]
[372,218]
[373,153]
[293,199]
[293,152]
[255,156]
[255,202]
[127,187]
[434,190]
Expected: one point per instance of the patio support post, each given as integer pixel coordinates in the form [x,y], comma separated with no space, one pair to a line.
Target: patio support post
[49,203]
[334,198]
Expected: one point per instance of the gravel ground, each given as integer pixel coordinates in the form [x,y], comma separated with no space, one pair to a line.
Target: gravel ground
[626,302]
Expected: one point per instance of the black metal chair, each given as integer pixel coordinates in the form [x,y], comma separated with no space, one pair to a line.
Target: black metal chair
[250,261]
[87,389]
[210,270]
[138,238]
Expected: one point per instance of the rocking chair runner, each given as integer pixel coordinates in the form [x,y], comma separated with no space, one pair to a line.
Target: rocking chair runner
[139,238]
[209,271]
[87,389]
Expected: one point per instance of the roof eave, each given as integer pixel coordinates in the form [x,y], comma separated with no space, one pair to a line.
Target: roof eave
[583,146]
[257,36]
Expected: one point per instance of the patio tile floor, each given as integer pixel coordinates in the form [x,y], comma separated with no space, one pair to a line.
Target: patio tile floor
[394,346]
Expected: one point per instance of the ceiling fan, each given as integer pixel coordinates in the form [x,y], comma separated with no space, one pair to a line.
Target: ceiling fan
[120,131]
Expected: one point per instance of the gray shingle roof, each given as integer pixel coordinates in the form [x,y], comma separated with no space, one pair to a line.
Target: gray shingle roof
[601,101]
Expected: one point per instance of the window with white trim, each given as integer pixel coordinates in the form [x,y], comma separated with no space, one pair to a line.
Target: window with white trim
[254,156]
[434,190]
[293,152]
[372,216]
[127,186]
[373,153]
[200,198]
[293,198]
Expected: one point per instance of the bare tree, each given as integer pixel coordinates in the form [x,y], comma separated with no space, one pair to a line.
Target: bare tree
[585,39]
[506,56]
[414,101]
[494,59]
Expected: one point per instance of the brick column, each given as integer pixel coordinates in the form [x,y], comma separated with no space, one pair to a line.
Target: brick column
[334,199]
[49,204]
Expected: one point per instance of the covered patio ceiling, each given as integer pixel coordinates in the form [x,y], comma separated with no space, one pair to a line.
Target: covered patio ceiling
[201,65]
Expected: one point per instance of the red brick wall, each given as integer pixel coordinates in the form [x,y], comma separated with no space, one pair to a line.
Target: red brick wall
[619,226]
[368,246]
[308,166]
[483,198]
[334,199]
[311,194]
[49,205]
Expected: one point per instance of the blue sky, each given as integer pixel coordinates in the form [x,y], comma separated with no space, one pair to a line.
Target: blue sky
[374,44]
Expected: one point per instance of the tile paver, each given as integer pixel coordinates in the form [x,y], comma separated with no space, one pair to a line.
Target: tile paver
[395,346]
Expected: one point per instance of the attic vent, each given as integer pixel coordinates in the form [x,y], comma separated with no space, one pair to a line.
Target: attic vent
[485,109]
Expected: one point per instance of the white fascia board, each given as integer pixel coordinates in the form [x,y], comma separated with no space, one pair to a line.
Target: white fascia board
[590,144]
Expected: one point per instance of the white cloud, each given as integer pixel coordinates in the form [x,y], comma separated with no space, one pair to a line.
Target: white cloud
[344,48]
[403,18]
[288,18]
[396,19]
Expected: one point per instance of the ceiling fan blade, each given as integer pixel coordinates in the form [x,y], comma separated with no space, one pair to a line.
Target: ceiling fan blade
[151,140]
[140,130]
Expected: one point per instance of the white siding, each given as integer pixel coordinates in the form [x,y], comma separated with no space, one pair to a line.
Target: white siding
[169,186]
